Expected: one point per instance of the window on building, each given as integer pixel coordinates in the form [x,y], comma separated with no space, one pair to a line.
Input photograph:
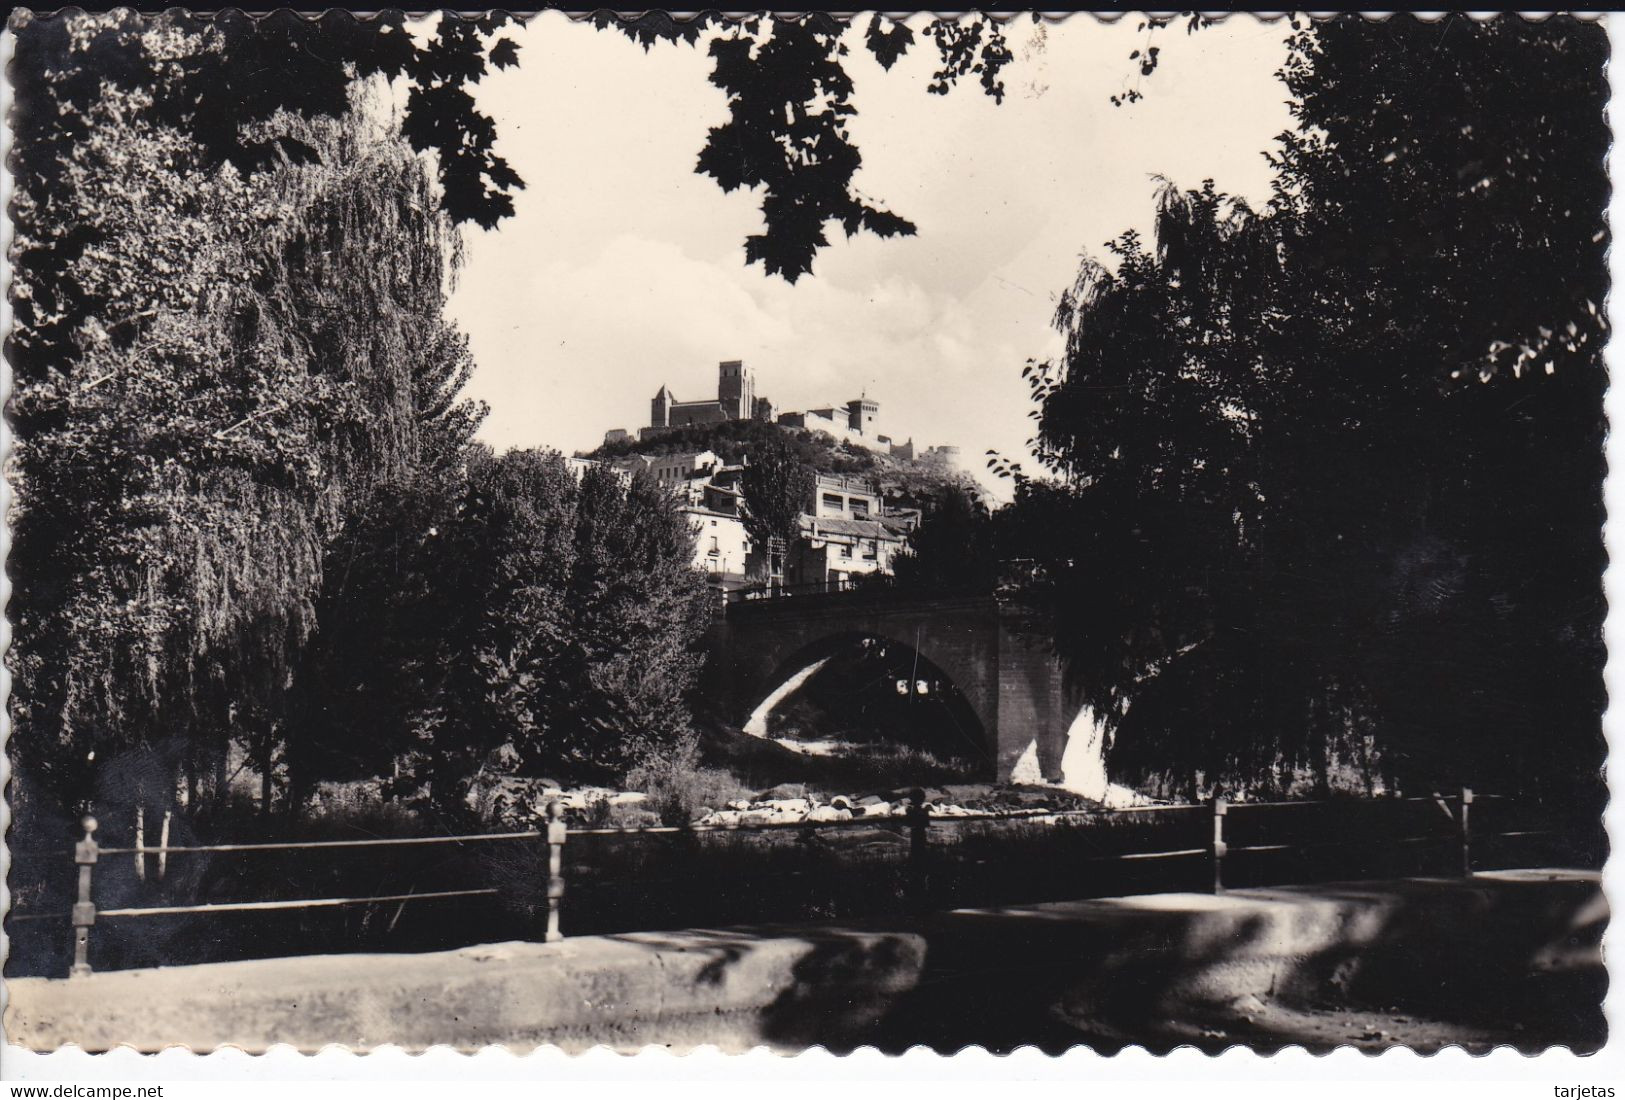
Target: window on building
[871,550]
[846,550]
[860,508]
[714,548]
[834,502]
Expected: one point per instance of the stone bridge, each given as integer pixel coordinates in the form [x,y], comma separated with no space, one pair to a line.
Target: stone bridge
[990,649]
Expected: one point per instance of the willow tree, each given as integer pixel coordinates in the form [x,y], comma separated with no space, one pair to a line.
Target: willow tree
[1152,546]
[373,665]
[241,366]
[1327,476]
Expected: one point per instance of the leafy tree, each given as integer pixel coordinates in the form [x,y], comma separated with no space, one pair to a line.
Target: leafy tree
[565,619]
[1154,421]
[1463,273]
[501,566]
[953,549]
[1330,473]
[789,101]
[777,488]
[185,453]
[637,608]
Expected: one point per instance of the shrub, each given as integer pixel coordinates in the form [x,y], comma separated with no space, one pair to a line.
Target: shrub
[599,814]
[632,817]
[678,787]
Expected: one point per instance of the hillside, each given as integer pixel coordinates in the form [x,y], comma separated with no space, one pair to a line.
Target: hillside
[918,482]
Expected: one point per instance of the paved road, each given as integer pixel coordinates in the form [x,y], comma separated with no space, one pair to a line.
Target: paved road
[1509,958]
[1506,957]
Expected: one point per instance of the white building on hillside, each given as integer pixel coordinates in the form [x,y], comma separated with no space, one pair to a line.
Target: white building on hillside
[721,545]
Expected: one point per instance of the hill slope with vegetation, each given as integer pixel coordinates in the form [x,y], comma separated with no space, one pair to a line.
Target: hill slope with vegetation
[921,482]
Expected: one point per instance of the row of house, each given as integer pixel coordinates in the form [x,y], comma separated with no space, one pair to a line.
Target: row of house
[846,530]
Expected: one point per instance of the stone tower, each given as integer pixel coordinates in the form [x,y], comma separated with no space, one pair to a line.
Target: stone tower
[660,409]
[861,413]
[736,390]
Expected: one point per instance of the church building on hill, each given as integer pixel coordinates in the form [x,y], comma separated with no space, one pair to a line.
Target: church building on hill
[736,400]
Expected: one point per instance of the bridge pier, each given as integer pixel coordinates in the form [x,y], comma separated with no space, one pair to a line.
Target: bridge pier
[1032,704]
[993,652]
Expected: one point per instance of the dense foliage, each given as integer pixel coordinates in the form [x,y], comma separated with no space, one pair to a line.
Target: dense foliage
[954,549]
[777,487]
[1329,473]
[187,450]
[237,413]
[1327,476]
[227,283]
[541,625]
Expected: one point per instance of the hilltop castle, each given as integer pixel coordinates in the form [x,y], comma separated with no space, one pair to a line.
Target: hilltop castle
[855,422]
[736,400]
[848,527]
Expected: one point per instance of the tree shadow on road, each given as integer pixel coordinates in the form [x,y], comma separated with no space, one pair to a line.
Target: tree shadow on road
[1423,965]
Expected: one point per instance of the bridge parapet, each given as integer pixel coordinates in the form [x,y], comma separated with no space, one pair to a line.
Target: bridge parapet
[812,600]
[1013,576]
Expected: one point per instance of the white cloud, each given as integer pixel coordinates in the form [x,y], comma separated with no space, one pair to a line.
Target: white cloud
[622,269]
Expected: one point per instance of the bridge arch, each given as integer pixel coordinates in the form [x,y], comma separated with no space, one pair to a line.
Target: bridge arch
[969,727]
[990,650]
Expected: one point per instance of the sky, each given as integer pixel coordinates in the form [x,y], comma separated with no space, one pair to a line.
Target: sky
[623,270]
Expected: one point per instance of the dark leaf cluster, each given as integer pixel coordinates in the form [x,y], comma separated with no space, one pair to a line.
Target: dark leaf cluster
[789,99]
[243,69]
[789,102]
[970,48]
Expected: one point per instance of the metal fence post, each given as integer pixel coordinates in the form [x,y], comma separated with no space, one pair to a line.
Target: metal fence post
[1220,808]
[140,842]
[919,819]
[1466,833]
[163,847]
[84,910]
[556,832]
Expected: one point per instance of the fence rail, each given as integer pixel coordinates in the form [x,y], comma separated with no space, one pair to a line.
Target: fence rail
[300,845]
[553,833]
